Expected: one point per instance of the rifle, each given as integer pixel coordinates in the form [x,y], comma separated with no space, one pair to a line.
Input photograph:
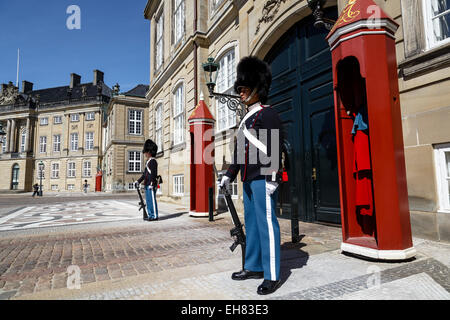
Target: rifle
[237,233]
[142,203]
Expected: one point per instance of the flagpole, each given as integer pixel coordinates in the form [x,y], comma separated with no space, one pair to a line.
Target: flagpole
[18,64]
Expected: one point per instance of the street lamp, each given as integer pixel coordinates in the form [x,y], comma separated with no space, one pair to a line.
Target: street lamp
[41,169]
[233,102]
[320,21]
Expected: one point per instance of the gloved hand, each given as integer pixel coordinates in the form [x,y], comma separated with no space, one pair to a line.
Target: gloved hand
[136,185]
[271,187]
[224,182]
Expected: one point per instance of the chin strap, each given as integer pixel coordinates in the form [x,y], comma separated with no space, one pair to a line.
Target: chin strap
[250,97]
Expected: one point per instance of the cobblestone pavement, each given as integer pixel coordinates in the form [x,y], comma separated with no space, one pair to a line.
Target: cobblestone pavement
[181,257]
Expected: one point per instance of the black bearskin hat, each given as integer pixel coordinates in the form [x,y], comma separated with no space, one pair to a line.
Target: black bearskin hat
[151,147]
[254,73]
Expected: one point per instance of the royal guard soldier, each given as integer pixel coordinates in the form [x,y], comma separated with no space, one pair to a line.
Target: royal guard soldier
[258,160]
[149,177]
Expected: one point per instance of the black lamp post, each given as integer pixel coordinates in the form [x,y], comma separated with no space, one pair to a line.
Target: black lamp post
[41,169]
[320,21]
[233,102]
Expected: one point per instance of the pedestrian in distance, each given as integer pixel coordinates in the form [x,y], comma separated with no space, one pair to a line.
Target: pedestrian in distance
[149,177]
[260,178]
[35,190]
[85,186]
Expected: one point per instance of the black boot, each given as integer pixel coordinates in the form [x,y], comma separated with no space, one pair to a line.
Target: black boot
[246,274]
[268,286]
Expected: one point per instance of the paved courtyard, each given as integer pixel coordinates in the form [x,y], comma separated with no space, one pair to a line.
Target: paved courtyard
[100,248]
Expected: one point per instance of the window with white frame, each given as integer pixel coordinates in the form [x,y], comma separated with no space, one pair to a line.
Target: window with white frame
[215,4]
[232,187]
[87,169]
[135,122]
[42,144]
[57,120]
[178,19]
[225,84]
[55,170]
[4,144]
[442,160]
[158,126]
[74,117]
[70,187]
[41,173]
[44,121]
[178,185]
[131,186]
[178,115]
[134,161]
[159,41]
[90,116]
[23,139]
[71,170]
[55,187]
[437,22]
[56,143]
[89,141]
[74,141]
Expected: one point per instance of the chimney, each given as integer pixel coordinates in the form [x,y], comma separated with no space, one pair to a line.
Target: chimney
[98,77]
[27,87]
[3,88]
[75,80]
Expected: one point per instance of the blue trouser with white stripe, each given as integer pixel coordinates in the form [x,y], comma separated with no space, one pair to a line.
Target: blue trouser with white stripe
[262,230]
[152,207]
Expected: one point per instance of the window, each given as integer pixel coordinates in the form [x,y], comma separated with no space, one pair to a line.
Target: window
[90,116]
[178,19]
[134,161]
[74,117]
[55,170]
[135,122]
[57,120]
[71,169]
[89,141]
[178,185]
[42,144]
[44,121]
[232,187]
[40,173]
[23,138]
[178,116]
[225,84]
[86,169]
[159,42]
[74,142]
[57,143]
[158,126]
[4,144]
[55,187]
[70,187]
[215,4]
[131,186]
[442,161]
[437,22]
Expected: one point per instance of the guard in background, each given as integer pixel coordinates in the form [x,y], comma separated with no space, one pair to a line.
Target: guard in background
[149,176]
[262,258]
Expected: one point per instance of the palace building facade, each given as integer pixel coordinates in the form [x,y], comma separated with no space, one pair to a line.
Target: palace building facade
[125,131]
[185,33]
[59,128]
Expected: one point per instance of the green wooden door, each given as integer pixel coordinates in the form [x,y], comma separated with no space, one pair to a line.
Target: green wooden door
[302,93]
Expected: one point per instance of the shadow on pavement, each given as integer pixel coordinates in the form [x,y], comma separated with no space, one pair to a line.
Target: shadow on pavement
[292,257]
[173,215]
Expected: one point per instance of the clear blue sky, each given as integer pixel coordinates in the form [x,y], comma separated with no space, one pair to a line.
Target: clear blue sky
[114,38]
